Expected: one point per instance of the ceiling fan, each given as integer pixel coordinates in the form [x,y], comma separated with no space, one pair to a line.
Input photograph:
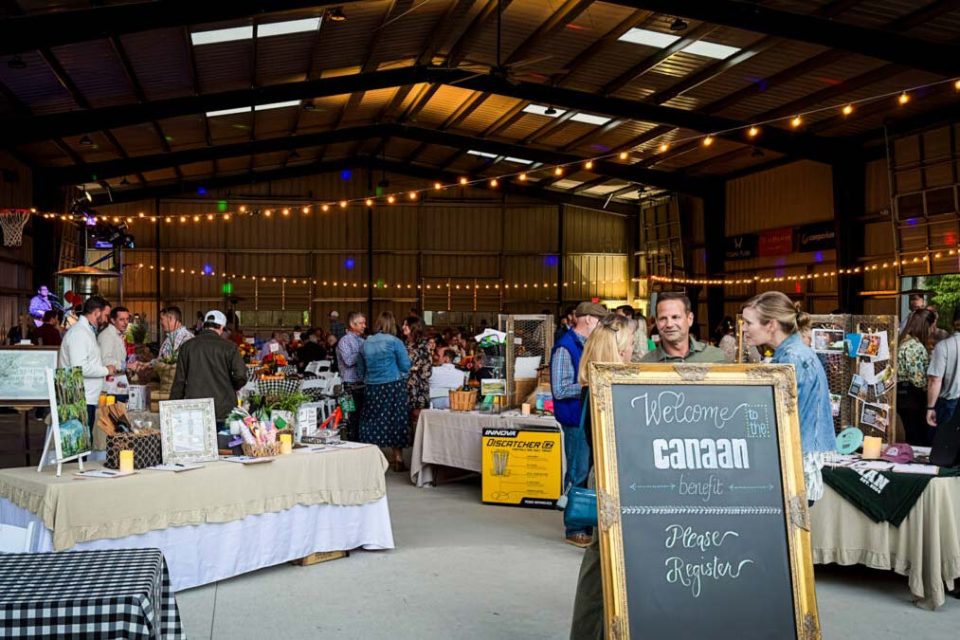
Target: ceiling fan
[513,72]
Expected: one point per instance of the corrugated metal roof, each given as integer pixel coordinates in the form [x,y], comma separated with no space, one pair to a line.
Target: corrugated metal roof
[161,62]
[224,66]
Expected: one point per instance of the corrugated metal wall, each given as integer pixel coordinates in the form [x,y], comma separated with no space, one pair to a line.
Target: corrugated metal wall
[503,252]
[789,196]
[16,263]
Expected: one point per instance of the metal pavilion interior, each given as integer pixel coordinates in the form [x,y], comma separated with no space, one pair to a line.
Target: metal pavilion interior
[132,101]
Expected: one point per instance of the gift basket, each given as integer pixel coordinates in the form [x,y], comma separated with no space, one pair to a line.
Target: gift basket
[124,434]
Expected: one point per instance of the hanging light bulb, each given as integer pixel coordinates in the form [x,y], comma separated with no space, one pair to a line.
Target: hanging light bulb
[412,195]
[493,183]
[437,186]
[847,109]
[343,204]
[325,208]
[753,132]
[588,165]
[286,211]
[268,213]
[664,147]
[243,209]
[522,177]
[904,98]
[306,209]
[210,216]
[369,202]
[464,181]
[623,155]
[708,141]
[226,217]
[558,171]
[391,199]
[796,122]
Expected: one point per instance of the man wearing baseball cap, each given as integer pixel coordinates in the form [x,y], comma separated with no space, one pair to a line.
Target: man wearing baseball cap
[564,366]
[210,367]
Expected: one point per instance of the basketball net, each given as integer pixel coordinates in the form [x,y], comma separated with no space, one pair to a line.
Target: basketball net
[12,221]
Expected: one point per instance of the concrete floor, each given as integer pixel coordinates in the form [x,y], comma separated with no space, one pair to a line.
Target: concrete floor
[469,571]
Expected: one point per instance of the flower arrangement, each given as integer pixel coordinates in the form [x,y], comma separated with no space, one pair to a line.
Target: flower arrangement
[247,351]
[273,361]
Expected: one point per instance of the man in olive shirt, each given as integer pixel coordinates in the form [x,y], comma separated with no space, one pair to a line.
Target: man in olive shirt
[674,319]
[210,367]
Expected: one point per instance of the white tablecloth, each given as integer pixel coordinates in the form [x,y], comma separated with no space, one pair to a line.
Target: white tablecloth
[925,547]
[453,439]
[201,554]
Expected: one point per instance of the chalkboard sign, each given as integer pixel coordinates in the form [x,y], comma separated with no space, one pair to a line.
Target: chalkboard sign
[702,505]
[23,374]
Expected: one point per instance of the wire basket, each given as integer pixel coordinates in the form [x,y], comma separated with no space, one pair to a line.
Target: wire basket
[261,450]
[286,386]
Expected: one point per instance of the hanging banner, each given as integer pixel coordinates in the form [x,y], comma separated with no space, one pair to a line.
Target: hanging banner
[776,242]
[741,247]
[817,237]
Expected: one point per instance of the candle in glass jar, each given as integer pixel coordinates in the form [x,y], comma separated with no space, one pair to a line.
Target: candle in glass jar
[525,409]
[286,443]
[871,447]
[126,461]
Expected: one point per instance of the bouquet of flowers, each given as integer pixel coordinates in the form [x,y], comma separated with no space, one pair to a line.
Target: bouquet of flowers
[247,351]
[274,361]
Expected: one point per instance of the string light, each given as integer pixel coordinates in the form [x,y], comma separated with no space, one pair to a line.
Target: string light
[391,199]
[305,210]
[796,122]
[412,195]
[956,85]
[558,171]
[753,132]
[464,182]
[904,98]
[494,183]
[847,109]
[437,186]
[343,204]
[268,213]
[369,202]
[522,177]
[286,211]
[325,208]
[588,165]
[708,141]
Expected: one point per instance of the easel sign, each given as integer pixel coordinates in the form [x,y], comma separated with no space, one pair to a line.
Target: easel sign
[702,506]
[68,436]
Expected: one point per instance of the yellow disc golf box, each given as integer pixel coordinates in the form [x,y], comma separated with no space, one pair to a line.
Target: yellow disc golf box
[522,466]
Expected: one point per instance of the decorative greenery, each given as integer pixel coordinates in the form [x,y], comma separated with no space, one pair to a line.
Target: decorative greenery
[262,405]
[946,296]
[71,411]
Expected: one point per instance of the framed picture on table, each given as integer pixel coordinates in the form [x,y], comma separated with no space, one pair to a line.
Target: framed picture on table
[188,431]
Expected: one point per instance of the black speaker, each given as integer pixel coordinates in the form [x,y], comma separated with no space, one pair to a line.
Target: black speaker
[946,443]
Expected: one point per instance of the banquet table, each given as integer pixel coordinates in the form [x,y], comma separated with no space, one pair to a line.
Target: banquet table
[453,439]
[124,593]
[925,547]
[215,522]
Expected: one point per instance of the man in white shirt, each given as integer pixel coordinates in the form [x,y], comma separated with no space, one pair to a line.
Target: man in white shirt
[443,379]
[113,348]
[80,349]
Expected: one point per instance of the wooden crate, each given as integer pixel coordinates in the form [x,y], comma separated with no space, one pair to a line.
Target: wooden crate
[320,556]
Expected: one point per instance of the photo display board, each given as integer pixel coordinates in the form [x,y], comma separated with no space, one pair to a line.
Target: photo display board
[702,507]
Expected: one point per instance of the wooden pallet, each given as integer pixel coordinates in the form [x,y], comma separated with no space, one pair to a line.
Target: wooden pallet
[320,556]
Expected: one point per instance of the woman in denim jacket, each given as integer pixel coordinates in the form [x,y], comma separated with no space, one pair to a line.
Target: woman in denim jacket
[386,412]
[771,318]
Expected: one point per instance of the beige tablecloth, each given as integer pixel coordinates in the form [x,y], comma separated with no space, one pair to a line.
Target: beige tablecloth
[83,509]
[925,547]
[452,439]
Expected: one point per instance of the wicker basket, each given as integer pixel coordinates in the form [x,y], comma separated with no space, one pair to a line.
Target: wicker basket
[462,400]
[261,450]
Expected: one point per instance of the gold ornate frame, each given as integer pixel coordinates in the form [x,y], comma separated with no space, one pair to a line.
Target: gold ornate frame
[797,520]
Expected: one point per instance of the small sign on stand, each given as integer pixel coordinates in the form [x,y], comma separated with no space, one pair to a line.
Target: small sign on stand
[68,436]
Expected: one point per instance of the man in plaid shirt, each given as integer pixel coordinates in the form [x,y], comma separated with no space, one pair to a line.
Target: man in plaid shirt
[350,365]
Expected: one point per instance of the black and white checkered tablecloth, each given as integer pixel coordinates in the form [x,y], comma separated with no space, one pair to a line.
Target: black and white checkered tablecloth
[121,593]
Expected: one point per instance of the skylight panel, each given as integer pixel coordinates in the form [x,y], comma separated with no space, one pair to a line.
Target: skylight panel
[711,50]
[664,40]
[589,118]
[266,30]
[649,38]
[227,112]
[277,105]
[221,35]
[518,160]
[482,154]
[287,26]
[541,110]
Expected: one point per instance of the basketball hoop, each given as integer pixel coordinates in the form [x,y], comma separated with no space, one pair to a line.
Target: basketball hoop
[12,221]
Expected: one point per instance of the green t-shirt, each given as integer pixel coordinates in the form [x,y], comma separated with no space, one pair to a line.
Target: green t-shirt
[699,352]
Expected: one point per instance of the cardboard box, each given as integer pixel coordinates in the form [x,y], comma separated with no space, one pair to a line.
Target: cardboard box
[138,397]
[522,466]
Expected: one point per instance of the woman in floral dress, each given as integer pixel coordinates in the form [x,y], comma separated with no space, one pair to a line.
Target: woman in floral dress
[418,381]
